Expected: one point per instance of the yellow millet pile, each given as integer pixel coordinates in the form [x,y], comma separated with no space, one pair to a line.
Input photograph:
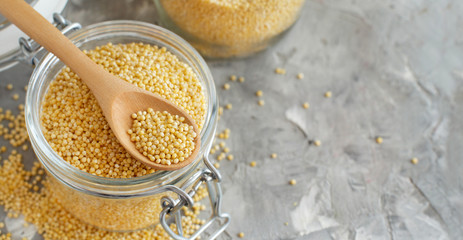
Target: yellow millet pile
[74,125]
[162,137]
[31,194]
[20,195]
[232,27]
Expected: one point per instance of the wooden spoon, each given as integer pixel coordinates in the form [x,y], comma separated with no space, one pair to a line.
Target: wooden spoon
[117,98]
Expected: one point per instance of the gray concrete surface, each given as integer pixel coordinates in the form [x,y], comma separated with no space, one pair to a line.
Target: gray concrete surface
[395,69]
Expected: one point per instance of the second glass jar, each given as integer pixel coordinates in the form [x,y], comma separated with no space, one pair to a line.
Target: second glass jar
[229,28]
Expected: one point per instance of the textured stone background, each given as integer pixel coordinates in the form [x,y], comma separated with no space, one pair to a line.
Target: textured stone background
[395,69]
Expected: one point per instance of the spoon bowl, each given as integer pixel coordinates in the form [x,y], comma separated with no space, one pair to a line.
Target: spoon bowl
[139,100]
[117,98]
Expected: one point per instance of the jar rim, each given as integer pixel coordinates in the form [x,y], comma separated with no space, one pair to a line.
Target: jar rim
[121,187]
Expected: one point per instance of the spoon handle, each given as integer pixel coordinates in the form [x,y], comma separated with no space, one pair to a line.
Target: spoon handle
[44,33]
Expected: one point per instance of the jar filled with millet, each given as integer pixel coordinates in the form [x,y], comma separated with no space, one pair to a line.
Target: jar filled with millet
[91,174]
[229,28]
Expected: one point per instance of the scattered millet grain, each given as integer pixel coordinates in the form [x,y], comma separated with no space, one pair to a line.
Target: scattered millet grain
[229,106]
[292,182]
[241,235]
[220,111]
[317,143]
[221,156]
[162,137]
[226,150]
[286,223]
[222,144]
[273,155]
[237,27]
[328,94]
[280,71]
[226,86]
[5,236]
[253,164]
[230,157]
[300,76]
[306,105]
[379,140]
[233,78]
[15,96]
[217,165]
[241,79]
[261,102]
[225,134]
[414,161]
[9,86]
[74,125]
[259,93]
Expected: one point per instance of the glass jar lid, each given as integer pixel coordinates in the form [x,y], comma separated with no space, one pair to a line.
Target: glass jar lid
[9,34]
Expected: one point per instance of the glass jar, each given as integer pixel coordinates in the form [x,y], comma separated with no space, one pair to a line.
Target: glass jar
[229,28]
[131,203]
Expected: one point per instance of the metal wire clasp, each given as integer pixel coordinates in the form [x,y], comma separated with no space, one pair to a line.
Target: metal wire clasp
[31,49]
[211,177]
